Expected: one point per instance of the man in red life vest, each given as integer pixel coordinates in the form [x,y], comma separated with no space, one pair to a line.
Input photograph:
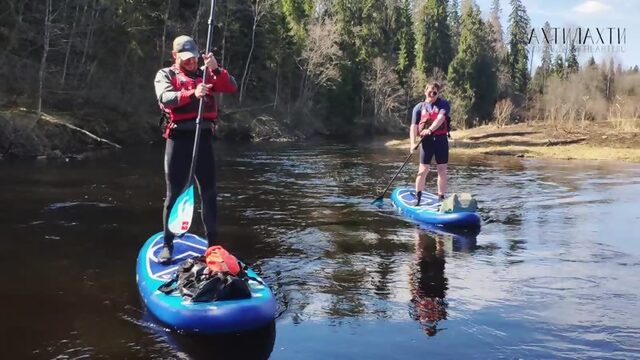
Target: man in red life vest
[179,89]
[429,121]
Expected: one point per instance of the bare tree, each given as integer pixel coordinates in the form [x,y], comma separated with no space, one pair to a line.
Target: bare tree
[196,23]
[224,47]
[95,12]
[69,45]
[164,31]
[319,60]
[86,39]
[45,52]
[627,102]
[259,8]
[578,98]
[503,111]
[15,11]
[275,98]
[384,88]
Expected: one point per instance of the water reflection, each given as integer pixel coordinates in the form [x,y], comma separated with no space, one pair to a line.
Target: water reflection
[553,273]
[250,345]
[428,282]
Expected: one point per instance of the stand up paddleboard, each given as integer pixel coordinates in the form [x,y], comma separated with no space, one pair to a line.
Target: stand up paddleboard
[428,211]
[201,317]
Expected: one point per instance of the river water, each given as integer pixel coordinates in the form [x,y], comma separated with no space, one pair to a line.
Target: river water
[553,272]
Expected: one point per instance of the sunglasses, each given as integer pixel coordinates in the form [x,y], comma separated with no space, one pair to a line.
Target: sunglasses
[432,93]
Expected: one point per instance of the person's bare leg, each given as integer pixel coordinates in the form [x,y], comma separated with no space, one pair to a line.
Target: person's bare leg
[421,179]
[442,180]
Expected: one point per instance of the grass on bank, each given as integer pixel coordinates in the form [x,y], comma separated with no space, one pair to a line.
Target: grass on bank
[616,139]
[568,152]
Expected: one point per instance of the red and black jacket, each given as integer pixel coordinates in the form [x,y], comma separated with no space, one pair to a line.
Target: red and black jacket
[175,91]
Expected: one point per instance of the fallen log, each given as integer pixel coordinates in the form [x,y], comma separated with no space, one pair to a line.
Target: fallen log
[54,120]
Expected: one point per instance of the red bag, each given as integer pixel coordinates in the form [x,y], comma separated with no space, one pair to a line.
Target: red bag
[220,260]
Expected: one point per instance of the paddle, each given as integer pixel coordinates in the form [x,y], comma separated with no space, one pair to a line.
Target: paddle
[182,211]
[379,198]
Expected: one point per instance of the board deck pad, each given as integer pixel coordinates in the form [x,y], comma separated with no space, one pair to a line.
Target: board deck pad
[184,247]
[428,201]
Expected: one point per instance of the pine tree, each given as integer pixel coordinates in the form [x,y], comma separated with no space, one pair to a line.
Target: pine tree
[546,49]
[610,80]
[538,80]
[405,40]
[572,60]
[433,37]
[558,67]
[297,13]
[543,71]
[518,54]
[500,50]
[360,25]
[454,24]
[496,28]
[591,62]
[473,70]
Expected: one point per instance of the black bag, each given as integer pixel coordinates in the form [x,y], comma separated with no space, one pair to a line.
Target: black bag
[194,281]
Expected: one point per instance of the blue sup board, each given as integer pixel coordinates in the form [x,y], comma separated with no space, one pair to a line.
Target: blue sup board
[201,317]
[427,212]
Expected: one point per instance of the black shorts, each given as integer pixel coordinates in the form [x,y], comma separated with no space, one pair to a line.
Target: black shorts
[434,145]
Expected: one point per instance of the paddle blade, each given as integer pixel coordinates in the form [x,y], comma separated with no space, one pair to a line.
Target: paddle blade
[182,212]
[378,201]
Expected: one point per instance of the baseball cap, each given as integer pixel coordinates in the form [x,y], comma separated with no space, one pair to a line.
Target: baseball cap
[185,47]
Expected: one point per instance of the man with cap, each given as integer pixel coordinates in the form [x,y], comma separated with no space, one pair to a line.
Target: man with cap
[179,89]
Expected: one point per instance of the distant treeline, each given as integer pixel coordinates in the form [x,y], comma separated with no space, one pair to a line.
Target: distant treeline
[329,66]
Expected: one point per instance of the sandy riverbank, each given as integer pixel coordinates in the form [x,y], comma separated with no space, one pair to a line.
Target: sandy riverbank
[588,142]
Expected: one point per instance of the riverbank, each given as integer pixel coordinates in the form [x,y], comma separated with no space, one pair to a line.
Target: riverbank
[62,136]
[538,140]
[56,135]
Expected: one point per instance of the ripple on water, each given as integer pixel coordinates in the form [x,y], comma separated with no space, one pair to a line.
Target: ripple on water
[68,204]
[547,278]
[559,283]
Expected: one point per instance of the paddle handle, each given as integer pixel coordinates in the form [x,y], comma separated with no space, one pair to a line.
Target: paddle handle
[196,139]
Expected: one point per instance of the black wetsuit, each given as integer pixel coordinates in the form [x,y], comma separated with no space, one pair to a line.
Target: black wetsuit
[177,162]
